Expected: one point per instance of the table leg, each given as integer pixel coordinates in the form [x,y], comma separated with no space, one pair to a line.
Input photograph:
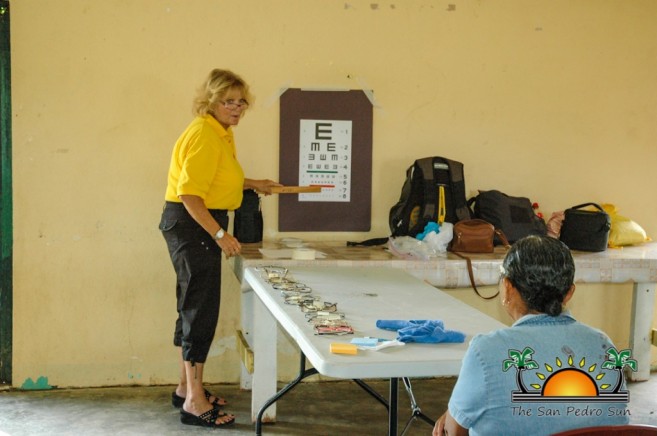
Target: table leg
[416,412]
[392,411]
[265,372]
[372,392]
[643,305]
[303,373]
[246,303]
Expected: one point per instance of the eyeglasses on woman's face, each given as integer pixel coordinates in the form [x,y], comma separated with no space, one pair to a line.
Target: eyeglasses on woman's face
[231,105]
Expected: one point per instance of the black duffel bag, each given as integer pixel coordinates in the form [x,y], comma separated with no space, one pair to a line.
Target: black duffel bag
[513,215]
[585,230]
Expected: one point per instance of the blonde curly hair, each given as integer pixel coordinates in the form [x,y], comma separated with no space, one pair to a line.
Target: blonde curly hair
[215,87]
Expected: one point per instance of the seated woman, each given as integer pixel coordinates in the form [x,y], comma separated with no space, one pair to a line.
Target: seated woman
[505,385]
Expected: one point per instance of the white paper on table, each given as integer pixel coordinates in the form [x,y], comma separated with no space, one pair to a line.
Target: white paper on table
[382,345]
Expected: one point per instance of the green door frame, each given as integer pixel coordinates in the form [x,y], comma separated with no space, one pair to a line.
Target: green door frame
[6,209]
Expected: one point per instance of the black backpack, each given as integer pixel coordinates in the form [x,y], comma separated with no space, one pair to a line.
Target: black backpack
[419,200]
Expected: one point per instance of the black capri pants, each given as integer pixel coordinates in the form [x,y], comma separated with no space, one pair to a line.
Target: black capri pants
[196,259]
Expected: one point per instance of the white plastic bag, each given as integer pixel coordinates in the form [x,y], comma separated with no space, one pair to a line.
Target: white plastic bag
[439,241]
[409,248]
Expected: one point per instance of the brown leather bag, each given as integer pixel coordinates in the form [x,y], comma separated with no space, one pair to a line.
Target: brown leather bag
[475,236]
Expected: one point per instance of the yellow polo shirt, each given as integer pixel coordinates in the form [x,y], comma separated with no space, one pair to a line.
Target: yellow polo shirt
[204,163]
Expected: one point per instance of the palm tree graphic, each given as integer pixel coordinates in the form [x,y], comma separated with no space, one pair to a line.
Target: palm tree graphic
[522,360]
[617,361]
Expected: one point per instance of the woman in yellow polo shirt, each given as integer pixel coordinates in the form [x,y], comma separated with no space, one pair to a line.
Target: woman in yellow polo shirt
[205,181]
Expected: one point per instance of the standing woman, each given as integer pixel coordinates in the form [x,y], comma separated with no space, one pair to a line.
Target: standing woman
[205,181]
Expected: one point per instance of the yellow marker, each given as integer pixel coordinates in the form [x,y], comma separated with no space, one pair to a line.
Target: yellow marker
[342,348]
[441,205]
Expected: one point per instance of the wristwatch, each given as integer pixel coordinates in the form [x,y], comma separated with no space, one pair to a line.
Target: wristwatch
[220,234]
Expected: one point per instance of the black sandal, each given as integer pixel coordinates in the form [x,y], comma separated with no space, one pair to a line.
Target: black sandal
[207,419]
[178,401]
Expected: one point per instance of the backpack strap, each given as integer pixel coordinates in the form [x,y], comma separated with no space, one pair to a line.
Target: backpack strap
[368,242]
[430,196]
[470,204]
[458,188]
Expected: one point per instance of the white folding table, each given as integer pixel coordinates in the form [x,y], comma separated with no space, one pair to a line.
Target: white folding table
[364,295]
[637,264]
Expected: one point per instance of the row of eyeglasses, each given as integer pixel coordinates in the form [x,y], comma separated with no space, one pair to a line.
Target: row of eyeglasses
[322,315]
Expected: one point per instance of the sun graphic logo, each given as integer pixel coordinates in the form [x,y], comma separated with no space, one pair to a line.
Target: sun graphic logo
[574,382]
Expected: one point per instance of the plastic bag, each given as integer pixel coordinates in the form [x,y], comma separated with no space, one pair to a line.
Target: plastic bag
[623,231]
[437,236]
[440,241]
[554,224]
[409,248]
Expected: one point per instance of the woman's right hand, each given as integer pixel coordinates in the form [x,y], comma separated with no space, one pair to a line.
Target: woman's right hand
[196,208]
[229,245]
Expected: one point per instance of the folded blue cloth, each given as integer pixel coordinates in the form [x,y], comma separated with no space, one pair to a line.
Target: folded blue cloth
[421,331]
[396,324]
[430,227]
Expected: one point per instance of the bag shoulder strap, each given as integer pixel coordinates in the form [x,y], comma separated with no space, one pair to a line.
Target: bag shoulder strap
[471,275]
[597,206]
[500,234]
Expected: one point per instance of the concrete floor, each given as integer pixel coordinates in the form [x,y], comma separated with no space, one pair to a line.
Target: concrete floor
[312,408]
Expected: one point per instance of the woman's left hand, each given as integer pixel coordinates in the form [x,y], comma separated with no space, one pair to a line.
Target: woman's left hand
[439,428]
[447,425]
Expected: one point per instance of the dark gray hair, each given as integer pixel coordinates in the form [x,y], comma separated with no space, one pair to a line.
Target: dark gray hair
[542,269]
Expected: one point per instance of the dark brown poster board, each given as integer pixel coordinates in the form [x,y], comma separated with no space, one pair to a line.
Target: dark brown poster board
[332,118]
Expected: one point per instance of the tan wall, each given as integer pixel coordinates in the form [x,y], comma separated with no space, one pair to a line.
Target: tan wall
[554,100]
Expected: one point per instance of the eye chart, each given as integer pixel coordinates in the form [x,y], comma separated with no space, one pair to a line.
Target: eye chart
[326,140]
[325,159]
